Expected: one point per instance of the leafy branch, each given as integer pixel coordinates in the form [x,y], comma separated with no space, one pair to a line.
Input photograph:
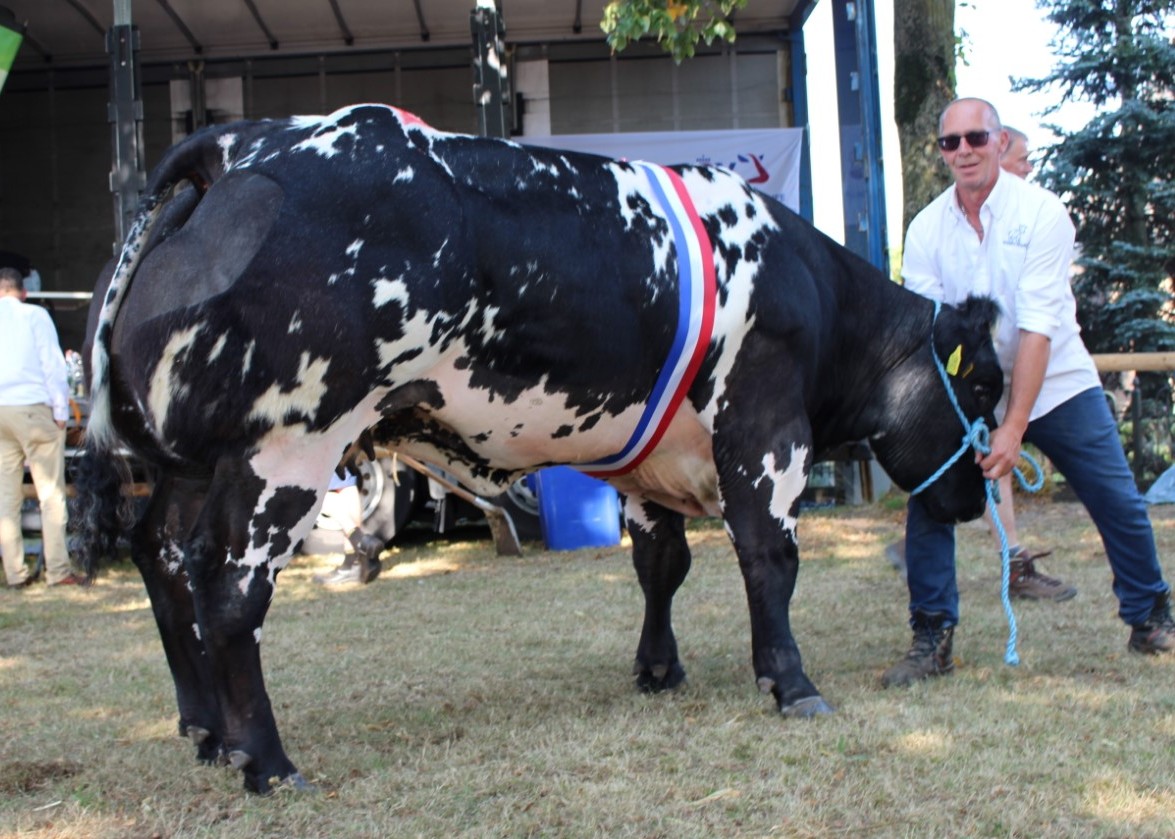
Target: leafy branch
[677,25]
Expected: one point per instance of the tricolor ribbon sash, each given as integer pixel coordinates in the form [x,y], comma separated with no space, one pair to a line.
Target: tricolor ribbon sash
[697,300]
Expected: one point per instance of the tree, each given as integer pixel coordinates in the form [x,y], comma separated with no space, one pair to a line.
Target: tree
[677,25]
[1116,175]
[924,84]
[924,41]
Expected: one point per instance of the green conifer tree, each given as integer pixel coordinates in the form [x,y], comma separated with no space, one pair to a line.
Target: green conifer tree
[1117,176]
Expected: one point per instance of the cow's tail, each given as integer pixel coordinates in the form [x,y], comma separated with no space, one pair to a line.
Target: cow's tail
[200,159]
[101,515]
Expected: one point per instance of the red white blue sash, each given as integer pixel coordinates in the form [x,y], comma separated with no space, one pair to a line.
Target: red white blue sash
[697,300]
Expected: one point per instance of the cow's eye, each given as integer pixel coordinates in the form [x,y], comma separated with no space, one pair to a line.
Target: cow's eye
[984,396]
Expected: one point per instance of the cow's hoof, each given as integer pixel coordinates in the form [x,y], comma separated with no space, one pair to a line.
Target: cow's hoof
[297,782]
[659,677]
[208,750]
[806,708]
[238,759]
[269,786]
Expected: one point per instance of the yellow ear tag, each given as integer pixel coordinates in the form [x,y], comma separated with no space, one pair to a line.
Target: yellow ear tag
[955,360]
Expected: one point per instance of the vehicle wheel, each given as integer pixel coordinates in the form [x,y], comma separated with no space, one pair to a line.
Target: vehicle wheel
[520,501]
[389,495]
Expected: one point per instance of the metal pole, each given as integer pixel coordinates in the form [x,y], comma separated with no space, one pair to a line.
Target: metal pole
[854,32]
[490,83]
[125,114]
[1136,426]
[196,94]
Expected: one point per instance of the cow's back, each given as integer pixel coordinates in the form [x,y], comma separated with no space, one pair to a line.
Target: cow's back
[345,255]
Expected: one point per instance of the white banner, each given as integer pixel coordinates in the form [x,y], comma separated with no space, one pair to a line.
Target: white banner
[767,158]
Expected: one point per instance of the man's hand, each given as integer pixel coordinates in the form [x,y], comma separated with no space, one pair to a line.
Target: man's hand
[1032,358]
[60,424]
[1005,452]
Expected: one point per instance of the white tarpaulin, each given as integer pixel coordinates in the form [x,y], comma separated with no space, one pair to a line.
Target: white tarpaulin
[767,158]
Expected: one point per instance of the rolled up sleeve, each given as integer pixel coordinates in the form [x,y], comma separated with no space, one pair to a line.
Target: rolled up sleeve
[1043,291]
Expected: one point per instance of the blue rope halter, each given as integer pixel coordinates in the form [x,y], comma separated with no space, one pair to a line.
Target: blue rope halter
[977,436]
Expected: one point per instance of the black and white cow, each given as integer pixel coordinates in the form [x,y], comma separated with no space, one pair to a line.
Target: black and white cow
[493,309]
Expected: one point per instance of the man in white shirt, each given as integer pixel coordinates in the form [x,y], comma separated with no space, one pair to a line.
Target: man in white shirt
[1004,237]
[1025,580]
[34,406]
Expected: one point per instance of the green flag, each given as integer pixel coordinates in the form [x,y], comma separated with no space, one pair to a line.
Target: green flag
[9,43]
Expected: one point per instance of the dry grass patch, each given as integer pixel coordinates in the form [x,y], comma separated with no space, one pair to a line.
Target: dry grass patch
[464,694]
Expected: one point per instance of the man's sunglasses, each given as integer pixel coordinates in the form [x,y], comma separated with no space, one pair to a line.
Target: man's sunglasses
[975,139]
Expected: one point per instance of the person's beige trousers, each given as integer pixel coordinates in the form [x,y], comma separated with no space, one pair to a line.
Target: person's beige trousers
[28,433]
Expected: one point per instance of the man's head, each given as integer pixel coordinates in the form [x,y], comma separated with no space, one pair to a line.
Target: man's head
[1015,156]
[11,283]
[971,141]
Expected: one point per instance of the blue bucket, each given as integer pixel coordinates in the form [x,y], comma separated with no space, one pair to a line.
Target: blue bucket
[576,511]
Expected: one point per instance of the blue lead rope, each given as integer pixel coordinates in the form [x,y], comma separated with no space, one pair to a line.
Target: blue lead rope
[976,436]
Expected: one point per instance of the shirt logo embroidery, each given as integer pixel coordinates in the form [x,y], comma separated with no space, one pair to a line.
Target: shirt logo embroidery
[1017,236]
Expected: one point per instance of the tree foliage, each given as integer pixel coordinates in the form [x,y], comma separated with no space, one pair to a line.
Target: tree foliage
[677,25]
[924,84]
[925,47]
[1116,176]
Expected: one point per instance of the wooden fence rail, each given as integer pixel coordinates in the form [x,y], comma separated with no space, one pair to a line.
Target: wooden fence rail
[1149,362]
[1142,362]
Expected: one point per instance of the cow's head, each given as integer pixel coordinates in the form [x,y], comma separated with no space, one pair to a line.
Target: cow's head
[922,430]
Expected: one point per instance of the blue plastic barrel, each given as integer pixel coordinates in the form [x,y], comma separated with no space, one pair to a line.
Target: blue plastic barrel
[576,511]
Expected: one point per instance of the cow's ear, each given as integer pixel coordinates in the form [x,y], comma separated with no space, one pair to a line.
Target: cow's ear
[980,311]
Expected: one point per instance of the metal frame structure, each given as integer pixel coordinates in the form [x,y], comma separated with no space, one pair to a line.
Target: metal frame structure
[125,112]
[856,70]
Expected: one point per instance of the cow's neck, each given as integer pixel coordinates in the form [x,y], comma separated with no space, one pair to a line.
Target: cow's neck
[890,329]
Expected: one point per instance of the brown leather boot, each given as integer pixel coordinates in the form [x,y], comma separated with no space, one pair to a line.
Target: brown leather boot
[1025,582]
[929,654]
[1157,634]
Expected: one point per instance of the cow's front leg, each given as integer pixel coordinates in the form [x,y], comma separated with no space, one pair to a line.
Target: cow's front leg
[243,537]
[661,556]
[761,496]
[155,550]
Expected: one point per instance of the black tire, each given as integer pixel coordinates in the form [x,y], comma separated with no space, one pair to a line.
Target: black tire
[389,495]
[520,501]
[388,502]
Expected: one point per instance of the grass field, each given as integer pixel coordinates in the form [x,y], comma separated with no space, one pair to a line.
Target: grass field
[466,695]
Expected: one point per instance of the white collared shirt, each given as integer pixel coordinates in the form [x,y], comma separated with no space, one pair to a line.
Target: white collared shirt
[1023,261]
[32,368]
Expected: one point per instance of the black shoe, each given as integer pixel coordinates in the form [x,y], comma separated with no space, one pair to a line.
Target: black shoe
[1157,634]
[32,577]
[373,568]
[367,551]
[929,655]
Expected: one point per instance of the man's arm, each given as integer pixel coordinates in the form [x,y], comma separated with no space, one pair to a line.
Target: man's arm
[53,366]
[919,273]
[1032,358]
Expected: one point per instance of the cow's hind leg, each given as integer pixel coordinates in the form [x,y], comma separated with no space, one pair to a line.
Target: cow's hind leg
[156,551]
[244,536]
[661,556]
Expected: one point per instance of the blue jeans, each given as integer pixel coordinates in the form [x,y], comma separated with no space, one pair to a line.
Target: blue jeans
[1081,439]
